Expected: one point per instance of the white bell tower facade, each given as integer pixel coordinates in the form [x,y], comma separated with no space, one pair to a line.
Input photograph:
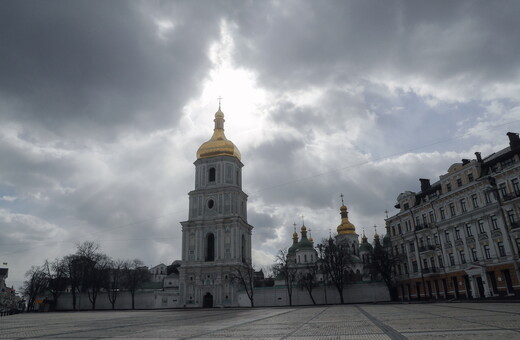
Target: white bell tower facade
[216,239]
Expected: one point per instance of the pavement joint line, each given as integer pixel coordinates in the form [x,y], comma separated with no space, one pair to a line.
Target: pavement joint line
[475,322]
[480,309]
[130,322]
[392,333]
[238,324]
[304,323]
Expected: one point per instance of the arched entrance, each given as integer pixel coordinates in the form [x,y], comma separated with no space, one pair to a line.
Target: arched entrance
[207,301]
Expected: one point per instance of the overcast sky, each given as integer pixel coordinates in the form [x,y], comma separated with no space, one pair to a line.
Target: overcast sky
[103,105]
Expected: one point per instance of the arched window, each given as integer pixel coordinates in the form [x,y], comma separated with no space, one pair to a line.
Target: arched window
[212,174]
[210,247]
[243,249]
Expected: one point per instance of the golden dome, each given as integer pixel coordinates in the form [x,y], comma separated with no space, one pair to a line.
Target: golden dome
[295,235]
[345,228]
[218,145]
[304,228]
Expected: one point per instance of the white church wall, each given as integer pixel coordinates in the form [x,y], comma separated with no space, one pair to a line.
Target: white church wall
[354,293]
[143,300]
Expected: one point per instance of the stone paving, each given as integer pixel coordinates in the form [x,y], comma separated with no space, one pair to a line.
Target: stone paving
[364,321]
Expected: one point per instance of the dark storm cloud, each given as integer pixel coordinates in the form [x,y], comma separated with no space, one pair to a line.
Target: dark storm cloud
[293,43]
[78,67]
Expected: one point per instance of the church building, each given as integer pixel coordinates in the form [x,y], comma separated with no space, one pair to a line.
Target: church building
[216,238]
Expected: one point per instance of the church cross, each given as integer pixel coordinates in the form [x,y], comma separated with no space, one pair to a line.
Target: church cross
[386,212]
[342,203]
[219,100]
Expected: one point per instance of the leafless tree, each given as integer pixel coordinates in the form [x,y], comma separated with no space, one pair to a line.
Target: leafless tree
[114,280]
[286,268]
[57,279]
[383,264]
[307,279]
[35,285]
[336,262]
[134,275]
[244,275]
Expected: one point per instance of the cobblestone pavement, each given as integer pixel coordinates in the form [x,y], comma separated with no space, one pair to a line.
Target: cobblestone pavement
[388,321]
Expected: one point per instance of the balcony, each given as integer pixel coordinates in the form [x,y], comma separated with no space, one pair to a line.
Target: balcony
[426,248]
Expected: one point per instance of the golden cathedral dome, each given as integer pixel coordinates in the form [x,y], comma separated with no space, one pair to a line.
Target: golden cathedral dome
[218,145]
[345,228]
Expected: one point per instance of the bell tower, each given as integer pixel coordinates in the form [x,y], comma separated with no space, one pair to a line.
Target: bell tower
[216,238]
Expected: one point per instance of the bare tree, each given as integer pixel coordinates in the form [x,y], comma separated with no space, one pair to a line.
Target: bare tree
[134,275]
[35,285]
[57,279]
[285,267]
[307,279]
[336,262]
[94,266]
[114,281]
[244,275]
[383,264]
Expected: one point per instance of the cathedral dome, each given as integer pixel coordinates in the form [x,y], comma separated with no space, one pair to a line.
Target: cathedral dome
[218,145]
[345,228]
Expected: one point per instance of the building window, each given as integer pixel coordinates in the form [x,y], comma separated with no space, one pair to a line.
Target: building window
[452,259]
[452,209]
[403,250]
[424,221]
[511,216]
[432,217]
[486,252]
[417,221]
[459,182]
[501,249]
[428,241]
[481,227]
[462,256]
[517,244]
[487,196]
[463,205]
[474,200]
[415,267]
[425,263]
[399,228]
[474,254]
[212,172]
[457,233]
[502,189]
[516,186]
[439,259]
[470,177]
[405,265]
[494,222]
[210,247]
[393,230]
[443,214]
[468,230]
[448,186]
[432,262]
[412,247]
[447,236]
[396,249]
[421,242]
[436,238]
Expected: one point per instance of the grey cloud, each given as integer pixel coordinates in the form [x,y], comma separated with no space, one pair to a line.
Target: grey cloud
[77,68]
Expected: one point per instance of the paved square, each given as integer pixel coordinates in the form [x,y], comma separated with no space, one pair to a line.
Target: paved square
[386,321]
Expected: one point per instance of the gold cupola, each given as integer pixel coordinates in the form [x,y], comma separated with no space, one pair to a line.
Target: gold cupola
[218,145]
[345,228]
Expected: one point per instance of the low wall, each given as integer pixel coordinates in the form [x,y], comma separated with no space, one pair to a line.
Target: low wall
[353,293]
[143,300]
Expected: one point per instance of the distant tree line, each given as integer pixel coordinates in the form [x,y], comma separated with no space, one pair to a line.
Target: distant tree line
[87,271]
